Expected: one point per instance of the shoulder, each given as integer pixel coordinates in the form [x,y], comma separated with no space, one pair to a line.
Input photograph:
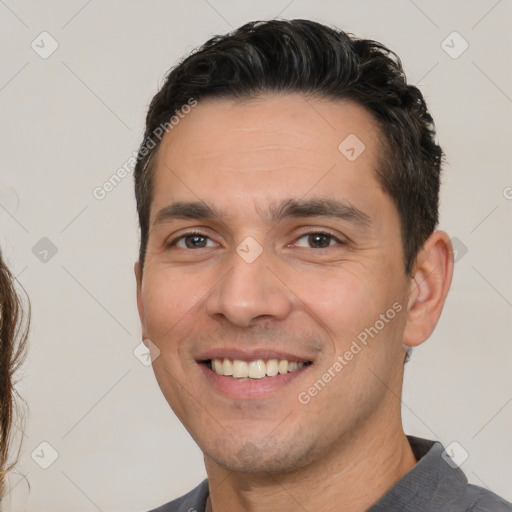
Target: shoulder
[447,485]
[482,500]
[436,484]
[193,501]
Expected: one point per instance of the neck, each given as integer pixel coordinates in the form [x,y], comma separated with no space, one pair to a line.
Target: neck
[350,478]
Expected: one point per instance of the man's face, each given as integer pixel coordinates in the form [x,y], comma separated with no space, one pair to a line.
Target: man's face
[267,242]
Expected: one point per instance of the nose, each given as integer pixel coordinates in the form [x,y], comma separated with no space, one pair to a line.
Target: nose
[250,291]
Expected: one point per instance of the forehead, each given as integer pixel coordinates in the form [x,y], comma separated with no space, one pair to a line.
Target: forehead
[268,147]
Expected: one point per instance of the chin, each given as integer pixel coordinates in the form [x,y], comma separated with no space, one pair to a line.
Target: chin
[264,458]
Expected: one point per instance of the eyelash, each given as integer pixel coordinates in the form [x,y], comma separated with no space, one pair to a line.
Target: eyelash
[174,241]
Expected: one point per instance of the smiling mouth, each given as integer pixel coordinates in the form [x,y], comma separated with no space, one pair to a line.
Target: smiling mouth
[257,369]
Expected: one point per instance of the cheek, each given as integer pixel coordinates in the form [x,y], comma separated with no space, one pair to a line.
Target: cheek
[168,297]
[340,300]
[348,306]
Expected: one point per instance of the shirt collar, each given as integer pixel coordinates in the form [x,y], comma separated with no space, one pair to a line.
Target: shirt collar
[431,480]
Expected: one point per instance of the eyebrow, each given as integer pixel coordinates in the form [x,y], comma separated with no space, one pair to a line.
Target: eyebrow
[291,208]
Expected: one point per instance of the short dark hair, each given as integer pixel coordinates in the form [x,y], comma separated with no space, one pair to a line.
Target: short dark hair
[303,56]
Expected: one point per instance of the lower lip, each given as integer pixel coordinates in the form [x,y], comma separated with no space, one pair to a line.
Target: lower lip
[250,388]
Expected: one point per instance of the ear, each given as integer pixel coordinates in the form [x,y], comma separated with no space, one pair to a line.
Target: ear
[432,276]
[140,306]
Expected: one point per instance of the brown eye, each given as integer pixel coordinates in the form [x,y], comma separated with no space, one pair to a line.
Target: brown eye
[317,240]
[193,241]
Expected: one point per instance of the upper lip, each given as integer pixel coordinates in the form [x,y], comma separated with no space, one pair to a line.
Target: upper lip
[250,355]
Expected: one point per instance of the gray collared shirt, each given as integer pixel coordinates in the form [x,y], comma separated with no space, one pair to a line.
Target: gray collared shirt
[432,485]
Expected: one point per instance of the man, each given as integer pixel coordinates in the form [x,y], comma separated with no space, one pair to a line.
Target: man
[287,191]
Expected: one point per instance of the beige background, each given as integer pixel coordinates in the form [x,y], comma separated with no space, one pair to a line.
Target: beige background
[70,120]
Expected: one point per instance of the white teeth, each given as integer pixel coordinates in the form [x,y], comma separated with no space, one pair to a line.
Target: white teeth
[257,369]
[254,369]
[272,367]
[240,369]
[227,367]
[217,365]
[283,366]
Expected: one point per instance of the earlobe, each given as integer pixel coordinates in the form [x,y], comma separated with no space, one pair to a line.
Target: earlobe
[429,287]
